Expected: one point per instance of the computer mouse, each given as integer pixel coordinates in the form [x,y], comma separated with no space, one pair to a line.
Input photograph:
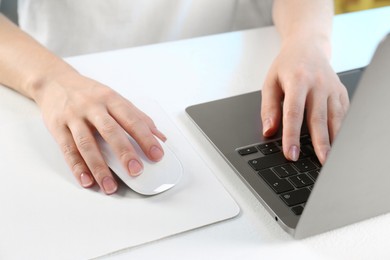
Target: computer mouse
[156,177]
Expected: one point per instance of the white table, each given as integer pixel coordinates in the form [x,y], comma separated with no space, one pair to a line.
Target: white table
[182,73]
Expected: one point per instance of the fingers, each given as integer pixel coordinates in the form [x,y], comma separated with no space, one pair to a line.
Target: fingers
[82,153]
[271,109]
[319,92]
[303,79]
[89,150]
[317,121]
[114,123]
[325,114]
[115,136]
[84,158]
[325,117]
[338,105]
[73,158]
[293,111]
[141,128]
[75,107]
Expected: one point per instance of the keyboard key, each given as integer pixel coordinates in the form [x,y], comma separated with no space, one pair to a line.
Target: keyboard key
[248,150]
[314,174]
[307,150]
[297,210]
[270,150]
[278,185]
[301,180]
[268,161]
[315,160]
[285,170]
[295,197]
[305,165]
[266,145]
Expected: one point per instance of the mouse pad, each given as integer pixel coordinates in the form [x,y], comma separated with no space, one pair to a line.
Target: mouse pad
[45,214]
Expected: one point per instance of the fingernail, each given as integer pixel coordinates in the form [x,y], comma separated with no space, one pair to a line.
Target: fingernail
[163,137]
[109,185]
[266,126]
[86,180]
[293,153]
[324,155]
[156,153]
[159,134]
[135,168]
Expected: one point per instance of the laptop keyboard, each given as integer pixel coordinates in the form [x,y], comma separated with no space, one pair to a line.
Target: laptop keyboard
[291,181]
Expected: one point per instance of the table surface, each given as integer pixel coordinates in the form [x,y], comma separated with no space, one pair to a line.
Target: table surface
[182,73]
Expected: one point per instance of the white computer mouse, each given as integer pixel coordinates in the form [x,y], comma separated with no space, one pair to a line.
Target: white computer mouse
[156,177]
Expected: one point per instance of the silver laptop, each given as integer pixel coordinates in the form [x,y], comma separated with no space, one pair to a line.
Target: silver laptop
[304,197]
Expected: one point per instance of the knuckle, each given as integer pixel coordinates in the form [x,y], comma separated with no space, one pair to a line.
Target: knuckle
[300,74]
[77,166]
[269,107]
[344,91]
[124,153]
[134,122]
[68,150]
[106,93]
[73,158]
[79,100]
[99,170]
[303,75]
[319,79]
[108,127]
[84,143]
[344,97]
[336,114]
[149,121]
[293,112]
[318,118]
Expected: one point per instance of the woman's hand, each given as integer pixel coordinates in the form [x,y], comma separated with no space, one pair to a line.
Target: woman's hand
[301,81]
[75,107]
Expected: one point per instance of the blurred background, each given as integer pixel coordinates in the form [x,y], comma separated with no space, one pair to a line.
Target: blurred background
[341,6]
[345,6]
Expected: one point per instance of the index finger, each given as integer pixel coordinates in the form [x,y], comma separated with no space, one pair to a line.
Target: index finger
[293,111]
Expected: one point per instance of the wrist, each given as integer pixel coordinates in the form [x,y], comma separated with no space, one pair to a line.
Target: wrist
[321,42]
[37,85]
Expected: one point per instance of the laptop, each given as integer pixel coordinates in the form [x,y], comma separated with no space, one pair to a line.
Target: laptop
[305,197]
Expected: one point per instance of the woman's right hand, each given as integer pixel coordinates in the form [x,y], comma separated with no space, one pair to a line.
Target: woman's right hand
[74,108]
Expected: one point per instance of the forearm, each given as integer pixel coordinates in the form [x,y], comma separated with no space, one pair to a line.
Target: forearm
[305,21]
[74,108]
[25,65]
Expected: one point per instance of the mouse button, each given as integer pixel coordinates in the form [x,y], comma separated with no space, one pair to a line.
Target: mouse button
[158,176]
